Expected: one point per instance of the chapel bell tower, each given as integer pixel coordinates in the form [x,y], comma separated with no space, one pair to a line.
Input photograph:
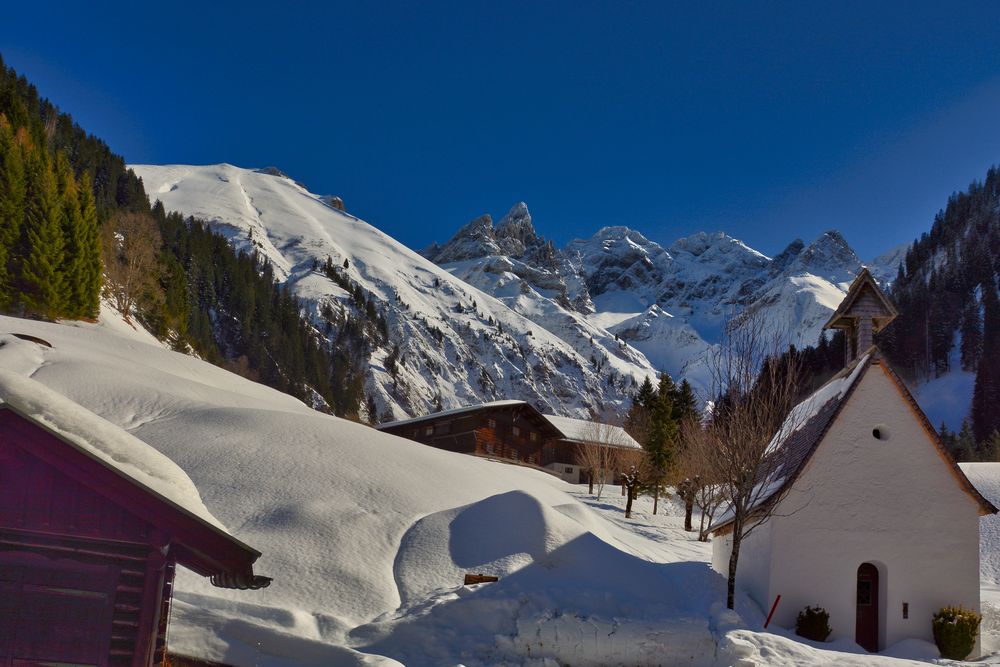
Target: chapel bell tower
[864,312]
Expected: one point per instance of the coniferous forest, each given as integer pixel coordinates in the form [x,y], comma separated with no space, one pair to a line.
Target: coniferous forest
[946,292]
[76,224]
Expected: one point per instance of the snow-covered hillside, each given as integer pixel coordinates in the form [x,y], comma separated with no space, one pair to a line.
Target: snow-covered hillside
[368,536]
[456,344]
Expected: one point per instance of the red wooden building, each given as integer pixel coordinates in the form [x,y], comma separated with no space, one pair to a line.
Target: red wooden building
[87,547]
[513,431]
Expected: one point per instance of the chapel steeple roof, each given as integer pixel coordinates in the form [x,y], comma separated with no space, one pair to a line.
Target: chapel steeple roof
[864,312]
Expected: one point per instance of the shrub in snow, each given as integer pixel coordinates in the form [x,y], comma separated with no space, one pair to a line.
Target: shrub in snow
[955,631]
[813,623]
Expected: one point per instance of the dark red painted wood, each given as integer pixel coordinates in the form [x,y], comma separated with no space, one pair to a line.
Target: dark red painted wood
[87,555]
[54,610]
[866,623]
[206,549]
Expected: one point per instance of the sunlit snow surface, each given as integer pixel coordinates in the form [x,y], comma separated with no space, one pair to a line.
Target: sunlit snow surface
[367,536]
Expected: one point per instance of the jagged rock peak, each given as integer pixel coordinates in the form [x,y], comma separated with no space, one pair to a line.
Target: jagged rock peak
[272,171]
[702,242]
[475,239]
[784,258]
[481,227]
[516,225]
[619,233]
[333,201]
[829,256]
[832,244]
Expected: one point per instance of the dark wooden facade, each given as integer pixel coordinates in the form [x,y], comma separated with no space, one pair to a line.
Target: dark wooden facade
[87,555]
[509,430]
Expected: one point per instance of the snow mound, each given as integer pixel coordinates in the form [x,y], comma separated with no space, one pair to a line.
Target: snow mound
[354,524]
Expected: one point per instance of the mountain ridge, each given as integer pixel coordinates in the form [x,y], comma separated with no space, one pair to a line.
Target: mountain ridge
[448,343]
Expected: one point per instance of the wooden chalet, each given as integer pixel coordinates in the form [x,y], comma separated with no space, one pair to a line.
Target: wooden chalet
[512,431]
[88,549]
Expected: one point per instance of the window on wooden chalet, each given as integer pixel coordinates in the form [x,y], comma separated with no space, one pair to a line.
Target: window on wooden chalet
[533,436]
[429,429]
[442,429]
[515,430]
[491,423]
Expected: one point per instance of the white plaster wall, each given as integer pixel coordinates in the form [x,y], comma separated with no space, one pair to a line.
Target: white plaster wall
[573,476]
[894,503]
[753,572]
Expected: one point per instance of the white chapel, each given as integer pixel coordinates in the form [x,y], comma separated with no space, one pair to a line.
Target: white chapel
[872,519]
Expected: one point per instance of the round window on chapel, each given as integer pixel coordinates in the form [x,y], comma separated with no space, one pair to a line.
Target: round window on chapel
[880,432]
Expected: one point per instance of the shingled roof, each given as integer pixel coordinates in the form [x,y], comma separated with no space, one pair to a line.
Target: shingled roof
[864,282]
[808,422]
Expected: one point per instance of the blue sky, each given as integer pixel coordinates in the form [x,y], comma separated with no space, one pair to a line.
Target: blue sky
[766,120]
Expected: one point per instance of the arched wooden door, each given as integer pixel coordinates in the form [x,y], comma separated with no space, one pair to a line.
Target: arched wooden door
[866,625]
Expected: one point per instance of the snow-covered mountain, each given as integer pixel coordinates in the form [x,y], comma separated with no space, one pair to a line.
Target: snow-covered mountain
[671,303]
[449,343]
[498,311]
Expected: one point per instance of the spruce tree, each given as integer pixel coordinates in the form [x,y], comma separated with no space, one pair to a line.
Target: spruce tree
[71,224]
[12,193]
[88,294]
[686,406]
[972,335]
[986,392]
[39,272]
[965,446]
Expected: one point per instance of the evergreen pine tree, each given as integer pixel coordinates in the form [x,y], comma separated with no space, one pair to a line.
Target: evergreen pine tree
[41,249]
[12,193]
[685,405]
[71,224]
[661,444]
[989,449]
[89,290]
[972,335]
[965,446]
[986,392]
[646,394]
[947,438]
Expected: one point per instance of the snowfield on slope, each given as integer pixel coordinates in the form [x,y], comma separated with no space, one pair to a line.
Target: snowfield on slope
[368,536]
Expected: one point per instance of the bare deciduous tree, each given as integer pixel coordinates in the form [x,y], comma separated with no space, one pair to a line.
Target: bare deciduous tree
[131,264]
[633,466]
[701,487]
[598,453]
[755,397]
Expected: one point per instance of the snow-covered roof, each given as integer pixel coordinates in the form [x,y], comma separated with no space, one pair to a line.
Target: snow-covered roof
[800,433]
[581,430]
[104,441]
[450,413]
